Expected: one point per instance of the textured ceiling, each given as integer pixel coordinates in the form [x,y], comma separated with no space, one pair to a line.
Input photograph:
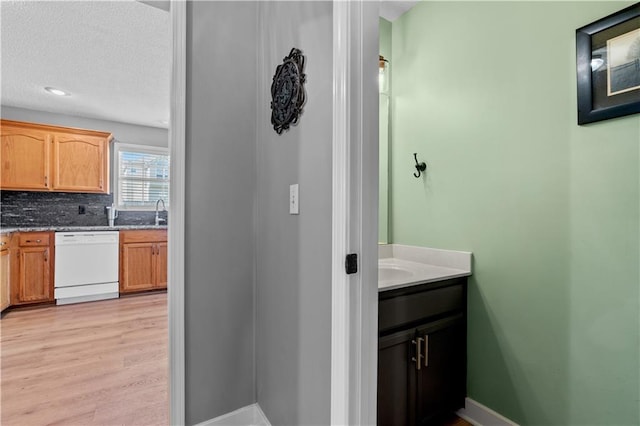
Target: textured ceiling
[392,10]
[113,57]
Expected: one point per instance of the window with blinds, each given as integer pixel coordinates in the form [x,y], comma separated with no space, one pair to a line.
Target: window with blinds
[143,177]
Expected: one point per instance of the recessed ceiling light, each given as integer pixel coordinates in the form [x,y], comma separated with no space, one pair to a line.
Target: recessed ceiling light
[58,92]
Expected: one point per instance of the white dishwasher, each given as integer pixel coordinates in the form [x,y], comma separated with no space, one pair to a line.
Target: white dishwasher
[86,266]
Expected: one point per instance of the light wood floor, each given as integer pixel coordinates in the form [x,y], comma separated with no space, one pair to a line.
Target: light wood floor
[99,363]
[456,421]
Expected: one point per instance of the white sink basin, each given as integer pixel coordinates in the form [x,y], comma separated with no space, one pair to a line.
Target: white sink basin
[396,273]
[388,273]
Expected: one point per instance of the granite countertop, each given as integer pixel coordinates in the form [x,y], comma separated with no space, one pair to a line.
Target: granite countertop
[78,228]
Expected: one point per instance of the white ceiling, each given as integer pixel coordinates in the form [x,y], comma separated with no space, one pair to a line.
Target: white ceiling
[392,10]
[114,57]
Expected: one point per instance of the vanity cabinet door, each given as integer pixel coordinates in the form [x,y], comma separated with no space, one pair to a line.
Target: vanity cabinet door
[441,380]
[396,379]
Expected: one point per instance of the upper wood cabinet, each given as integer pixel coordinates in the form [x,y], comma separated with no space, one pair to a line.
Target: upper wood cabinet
[37,157]
[25,158]
[80,163]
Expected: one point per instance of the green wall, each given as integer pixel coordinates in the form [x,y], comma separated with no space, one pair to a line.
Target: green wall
[485,93]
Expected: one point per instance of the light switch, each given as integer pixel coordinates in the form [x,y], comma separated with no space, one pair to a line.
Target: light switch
[294,207]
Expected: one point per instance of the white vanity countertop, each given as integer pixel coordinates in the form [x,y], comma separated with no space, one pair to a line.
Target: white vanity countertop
[403,266]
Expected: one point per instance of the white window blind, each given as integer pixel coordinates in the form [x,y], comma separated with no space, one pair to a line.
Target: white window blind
[143,177]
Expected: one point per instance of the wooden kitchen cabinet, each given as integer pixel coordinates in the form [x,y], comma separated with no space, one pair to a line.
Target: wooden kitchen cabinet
[34,277]
[5,277]
[37,157]
[143,260]
[421,353]
[25,157]
[80,163]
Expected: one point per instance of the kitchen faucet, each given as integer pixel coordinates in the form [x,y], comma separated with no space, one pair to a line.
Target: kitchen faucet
[164,208]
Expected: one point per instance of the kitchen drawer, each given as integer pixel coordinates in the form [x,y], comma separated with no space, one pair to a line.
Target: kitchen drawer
[33,239]
[143,236]
[408,308]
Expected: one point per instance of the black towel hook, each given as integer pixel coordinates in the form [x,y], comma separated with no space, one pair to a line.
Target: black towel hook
[420,167]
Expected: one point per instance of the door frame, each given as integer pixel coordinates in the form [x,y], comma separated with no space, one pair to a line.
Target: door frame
[354,308]
[354,312]
[177,152]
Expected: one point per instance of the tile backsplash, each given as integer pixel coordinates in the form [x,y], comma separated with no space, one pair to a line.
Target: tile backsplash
[23,209]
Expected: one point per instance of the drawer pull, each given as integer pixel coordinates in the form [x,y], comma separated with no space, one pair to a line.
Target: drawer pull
[32,241]
[3,243]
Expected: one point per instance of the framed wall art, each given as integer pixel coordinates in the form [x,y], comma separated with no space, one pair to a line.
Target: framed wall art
[608,66]
[287,91]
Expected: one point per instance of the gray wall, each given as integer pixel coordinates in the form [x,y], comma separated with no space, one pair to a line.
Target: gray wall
[122,132]
[221,183]
[293,253]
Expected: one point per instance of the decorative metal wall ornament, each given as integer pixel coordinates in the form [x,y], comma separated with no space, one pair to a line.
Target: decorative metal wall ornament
[287,91]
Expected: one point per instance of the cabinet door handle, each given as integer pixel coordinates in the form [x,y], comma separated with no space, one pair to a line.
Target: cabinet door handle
[46,255]
[419,355]
[426,350]
[46,181]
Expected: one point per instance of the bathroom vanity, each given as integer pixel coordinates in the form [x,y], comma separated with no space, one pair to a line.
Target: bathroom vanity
[422,336]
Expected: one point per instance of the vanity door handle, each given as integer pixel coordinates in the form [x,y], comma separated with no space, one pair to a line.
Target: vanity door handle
[416,359]
[426,350]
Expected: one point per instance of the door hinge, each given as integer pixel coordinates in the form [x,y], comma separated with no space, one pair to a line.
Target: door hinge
[351,263]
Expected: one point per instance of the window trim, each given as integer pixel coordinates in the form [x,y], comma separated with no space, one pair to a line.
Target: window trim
[115,171]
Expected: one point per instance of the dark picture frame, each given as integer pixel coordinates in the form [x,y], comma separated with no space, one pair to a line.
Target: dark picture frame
[608,66]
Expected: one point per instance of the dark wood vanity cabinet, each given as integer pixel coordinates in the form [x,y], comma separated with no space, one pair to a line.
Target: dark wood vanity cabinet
[421,353]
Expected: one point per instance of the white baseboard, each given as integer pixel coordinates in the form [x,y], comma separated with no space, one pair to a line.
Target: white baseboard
[480,415]
[251,415]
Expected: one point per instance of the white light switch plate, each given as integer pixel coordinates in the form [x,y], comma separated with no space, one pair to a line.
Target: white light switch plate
[294,207]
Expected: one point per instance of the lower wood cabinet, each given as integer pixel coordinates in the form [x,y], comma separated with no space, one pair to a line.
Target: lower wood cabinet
[143,260]
[33,278]
[5,277]
[421,358]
